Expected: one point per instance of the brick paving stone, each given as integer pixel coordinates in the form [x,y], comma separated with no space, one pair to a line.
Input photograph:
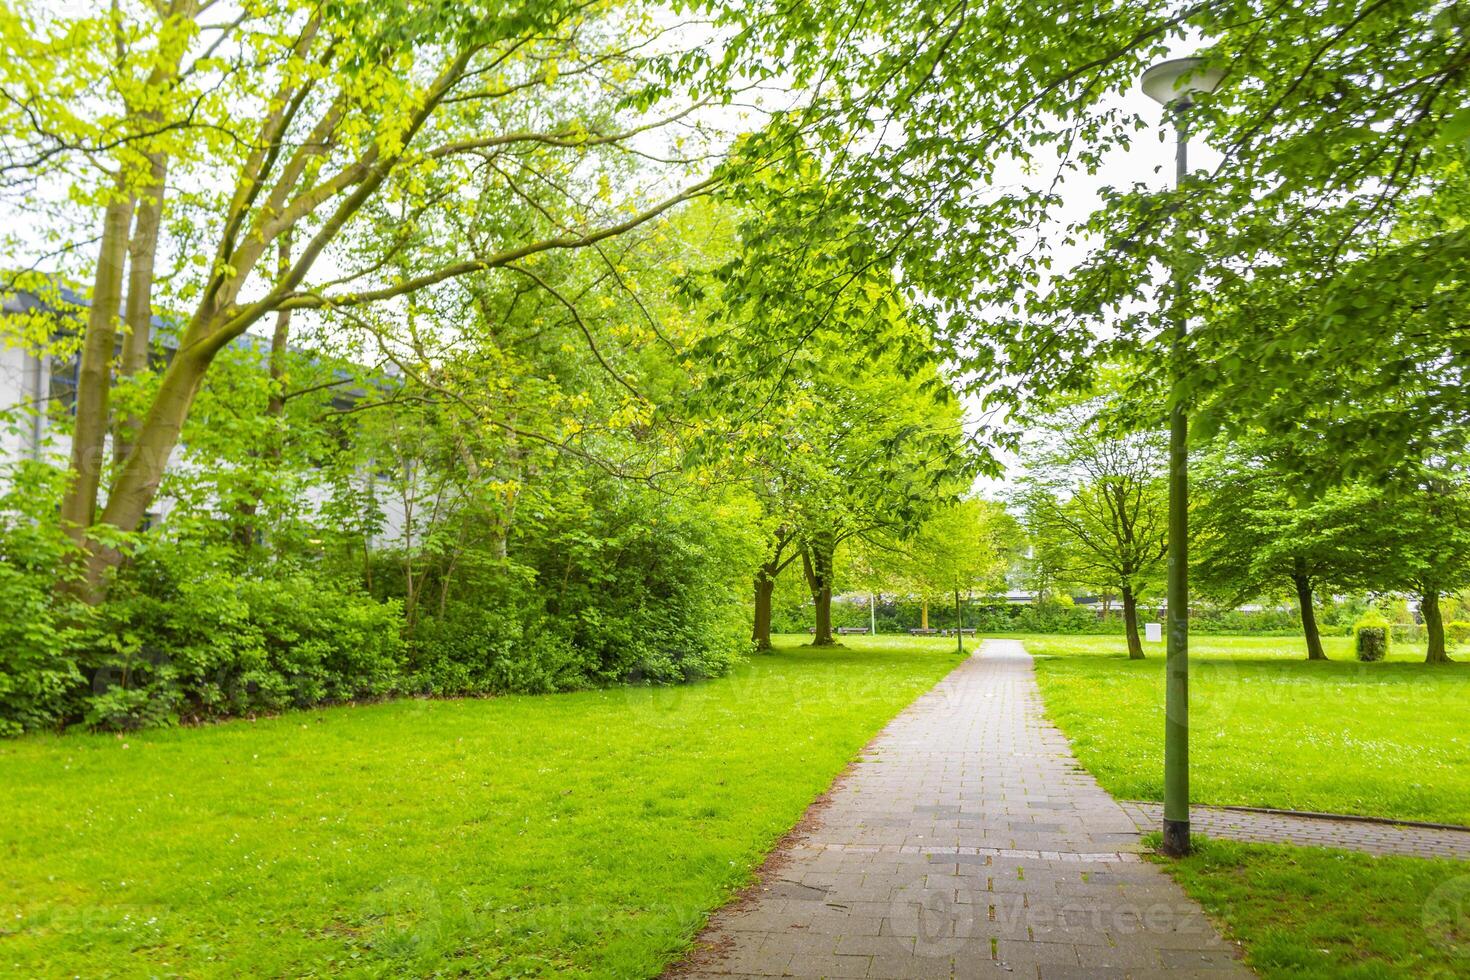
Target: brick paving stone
[967,842]
[1312,831]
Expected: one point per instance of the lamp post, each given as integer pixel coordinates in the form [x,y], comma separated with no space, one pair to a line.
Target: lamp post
[1174,84]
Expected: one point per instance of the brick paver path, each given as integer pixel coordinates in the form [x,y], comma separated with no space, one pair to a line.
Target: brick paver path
[1323,831]
[967,842]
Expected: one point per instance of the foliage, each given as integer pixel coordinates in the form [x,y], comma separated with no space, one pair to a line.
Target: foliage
[585,835]
[187,637]
[1052,616]
[960,549]
[1457,632]
[1256,530]
[41,632]
[1096,505]
[1372,637]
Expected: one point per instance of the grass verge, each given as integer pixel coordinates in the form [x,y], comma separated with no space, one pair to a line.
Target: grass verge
[1268,728]
[581,835]
[1309,912]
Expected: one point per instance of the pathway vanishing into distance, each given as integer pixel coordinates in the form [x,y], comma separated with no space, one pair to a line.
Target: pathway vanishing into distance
[1314,830]
[967,842]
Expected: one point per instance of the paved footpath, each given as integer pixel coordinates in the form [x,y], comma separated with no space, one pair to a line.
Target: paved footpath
[967,842]
[1314,831]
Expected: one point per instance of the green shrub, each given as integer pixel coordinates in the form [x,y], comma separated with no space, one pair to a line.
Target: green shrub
[1372,635]
[39,634]
[1407,632]
[185,636]
[606,584]
[485,648]
[1457,632]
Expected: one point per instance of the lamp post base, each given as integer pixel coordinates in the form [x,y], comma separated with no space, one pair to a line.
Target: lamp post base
[1176,838]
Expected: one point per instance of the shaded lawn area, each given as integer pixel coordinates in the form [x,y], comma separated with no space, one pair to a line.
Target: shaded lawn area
[1268,728]
[1310,912]
[582,834]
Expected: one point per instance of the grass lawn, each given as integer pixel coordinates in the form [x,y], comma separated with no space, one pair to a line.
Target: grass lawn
[1308,912]
[1268,728]
[575,835]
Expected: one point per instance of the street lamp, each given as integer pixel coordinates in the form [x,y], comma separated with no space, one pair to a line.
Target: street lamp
[1174,84]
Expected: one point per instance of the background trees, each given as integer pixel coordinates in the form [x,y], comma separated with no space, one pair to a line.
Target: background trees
[958,549]
[1095,505]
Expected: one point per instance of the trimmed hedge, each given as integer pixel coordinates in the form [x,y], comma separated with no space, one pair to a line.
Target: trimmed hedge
[1372,637]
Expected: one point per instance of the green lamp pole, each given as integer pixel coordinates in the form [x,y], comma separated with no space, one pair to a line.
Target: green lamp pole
[1174,84]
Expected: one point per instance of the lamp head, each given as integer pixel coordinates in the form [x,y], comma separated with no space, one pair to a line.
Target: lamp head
[1179,80]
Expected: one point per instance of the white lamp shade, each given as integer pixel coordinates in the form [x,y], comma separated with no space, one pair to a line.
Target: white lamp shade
[1167,82]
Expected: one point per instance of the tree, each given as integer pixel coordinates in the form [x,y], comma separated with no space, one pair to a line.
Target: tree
[1257,535]
[1096,503]
[297,128]
[959,548]
[942,102]
[1424,545]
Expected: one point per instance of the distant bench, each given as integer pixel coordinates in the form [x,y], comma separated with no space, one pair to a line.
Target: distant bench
[967,631]
[843,630]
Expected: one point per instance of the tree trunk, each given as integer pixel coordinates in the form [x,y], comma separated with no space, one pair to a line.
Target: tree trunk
[135,486]
[816,560]
[1130,624]
[94,379]
[959,625]
[1433,626]
[1303,584]
[142,256]
[765,587]
[923,614]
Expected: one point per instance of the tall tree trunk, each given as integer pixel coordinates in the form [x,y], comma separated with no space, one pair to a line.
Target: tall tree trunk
[816,559]
[1303,583]
[136,484]
[765,587]
[1130,624]
[142,256]
[94,379]
[923,614]
[1433,626]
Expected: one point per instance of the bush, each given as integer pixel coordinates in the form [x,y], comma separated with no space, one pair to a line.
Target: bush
[615,585]
[1255,622]
[1407,632]
[1371,636]
[1457,632]
[185,636]
[41,629]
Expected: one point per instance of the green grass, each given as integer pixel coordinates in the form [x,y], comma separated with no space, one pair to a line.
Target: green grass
[1268,728]
[575,835]
[1309,912]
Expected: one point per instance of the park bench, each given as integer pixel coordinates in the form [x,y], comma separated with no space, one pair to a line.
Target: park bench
[923,632]
[967,631]
[852,630]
